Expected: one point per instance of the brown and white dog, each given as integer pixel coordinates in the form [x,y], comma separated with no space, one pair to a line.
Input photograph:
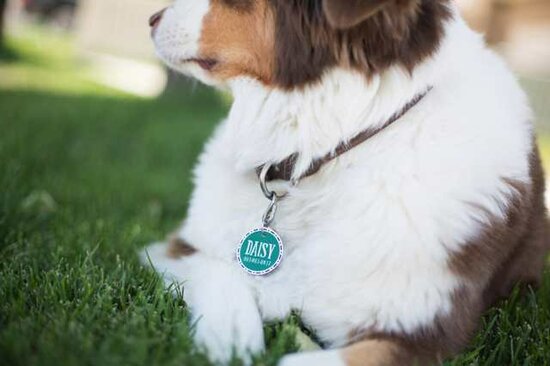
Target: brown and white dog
[426,203]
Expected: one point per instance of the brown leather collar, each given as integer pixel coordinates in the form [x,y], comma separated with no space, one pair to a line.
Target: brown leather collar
[284,169]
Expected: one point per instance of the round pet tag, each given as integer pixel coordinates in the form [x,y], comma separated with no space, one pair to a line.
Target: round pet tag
[260,251]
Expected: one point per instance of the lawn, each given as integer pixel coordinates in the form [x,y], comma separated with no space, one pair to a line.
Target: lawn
[89,175]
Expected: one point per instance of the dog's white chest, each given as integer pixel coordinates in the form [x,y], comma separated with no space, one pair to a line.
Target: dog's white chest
[368,238]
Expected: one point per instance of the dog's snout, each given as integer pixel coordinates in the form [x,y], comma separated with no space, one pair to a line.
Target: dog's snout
[155,19]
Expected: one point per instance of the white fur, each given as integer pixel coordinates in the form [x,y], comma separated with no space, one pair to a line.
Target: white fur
[367,239]
[317,358]
[210,287]
[178,34]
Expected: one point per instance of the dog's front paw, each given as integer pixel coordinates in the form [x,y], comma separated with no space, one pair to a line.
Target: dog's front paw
[224,334]
[224,312]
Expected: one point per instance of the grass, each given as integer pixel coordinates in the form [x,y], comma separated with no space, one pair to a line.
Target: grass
[89,175]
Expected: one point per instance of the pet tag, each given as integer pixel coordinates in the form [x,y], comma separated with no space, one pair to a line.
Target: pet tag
[260,252]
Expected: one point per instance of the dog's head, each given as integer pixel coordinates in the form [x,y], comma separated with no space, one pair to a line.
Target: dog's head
[291,43]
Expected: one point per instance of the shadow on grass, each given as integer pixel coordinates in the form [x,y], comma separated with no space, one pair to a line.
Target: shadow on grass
[8,54]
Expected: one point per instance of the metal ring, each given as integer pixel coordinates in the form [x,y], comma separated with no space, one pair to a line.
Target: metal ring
[269,214]
[263,184]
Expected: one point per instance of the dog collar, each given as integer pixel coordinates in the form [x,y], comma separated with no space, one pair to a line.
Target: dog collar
[284,169]
[261,250]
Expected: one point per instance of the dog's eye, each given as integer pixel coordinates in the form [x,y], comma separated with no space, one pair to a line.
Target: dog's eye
[207,64]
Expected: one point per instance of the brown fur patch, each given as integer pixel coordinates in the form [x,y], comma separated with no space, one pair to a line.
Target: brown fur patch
[505,253]
[403,32]
[514,250]
[431,345]
[178,248]
[344,14]
[238,34]
[373,352]
[242,5]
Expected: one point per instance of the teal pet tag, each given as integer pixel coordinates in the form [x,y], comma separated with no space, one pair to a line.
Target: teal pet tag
[260,251]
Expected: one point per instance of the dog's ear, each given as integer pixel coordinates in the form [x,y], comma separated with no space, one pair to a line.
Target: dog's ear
[344,14]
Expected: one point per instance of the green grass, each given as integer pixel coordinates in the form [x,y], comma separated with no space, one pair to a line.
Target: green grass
[89,175]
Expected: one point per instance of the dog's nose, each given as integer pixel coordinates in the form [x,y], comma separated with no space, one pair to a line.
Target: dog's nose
[155,19]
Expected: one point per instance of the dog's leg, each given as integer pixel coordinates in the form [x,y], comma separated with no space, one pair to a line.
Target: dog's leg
[224,313]
[370,352]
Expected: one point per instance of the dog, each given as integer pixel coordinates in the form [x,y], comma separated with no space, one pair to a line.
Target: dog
[377,173]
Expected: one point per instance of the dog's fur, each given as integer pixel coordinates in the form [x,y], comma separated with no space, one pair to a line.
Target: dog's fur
[393,250]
